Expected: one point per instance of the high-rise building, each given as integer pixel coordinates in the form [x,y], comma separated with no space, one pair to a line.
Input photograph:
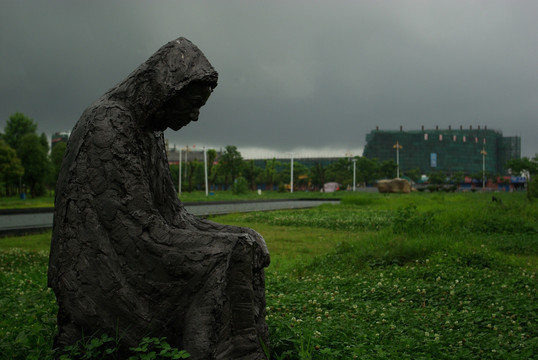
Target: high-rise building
[447,150]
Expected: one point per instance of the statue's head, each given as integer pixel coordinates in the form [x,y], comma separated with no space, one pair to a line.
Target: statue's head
[182,108]
[168,90]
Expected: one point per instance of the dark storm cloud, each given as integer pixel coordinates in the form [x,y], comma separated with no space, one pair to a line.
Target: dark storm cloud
[304,74]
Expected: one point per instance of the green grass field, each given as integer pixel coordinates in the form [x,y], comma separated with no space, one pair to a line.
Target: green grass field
[420,276]
[14,202]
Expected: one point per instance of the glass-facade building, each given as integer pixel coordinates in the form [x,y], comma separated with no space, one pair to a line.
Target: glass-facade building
[447,150]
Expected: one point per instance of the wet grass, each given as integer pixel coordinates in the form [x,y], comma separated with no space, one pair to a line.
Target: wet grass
[435,276]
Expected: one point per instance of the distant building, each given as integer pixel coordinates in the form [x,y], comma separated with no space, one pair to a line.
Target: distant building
[59,137]
[447,150]
[190,155]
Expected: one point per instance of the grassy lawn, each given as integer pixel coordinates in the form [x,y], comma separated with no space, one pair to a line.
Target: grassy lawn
[14,202]
[421,276]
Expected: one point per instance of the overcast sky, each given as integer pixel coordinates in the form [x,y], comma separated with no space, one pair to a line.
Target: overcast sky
[294,76]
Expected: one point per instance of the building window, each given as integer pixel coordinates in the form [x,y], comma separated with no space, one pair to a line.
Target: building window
[464,138]
[484,140]
[476,140]
[425,136]
[440,137]
[454,138]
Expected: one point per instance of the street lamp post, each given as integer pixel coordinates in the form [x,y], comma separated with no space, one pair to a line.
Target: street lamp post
[186,155]
[205,171]
[484,153]
[397,146]
[291,189]
[179,171]
[354,173]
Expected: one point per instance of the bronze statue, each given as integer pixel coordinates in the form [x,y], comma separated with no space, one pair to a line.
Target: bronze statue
[126,257]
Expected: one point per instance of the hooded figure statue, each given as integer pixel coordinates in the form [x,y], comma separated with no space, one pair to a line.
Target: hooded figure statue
[126,258]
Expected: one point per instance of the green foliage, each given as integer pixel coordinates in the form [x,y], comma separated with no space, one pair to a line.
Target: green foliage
[431,283]
[437,178]
[194,171]
[56,158]
[17,126]
[157,348]
[366,170]
[11,169]
[106,347]
[27,307]
[524,164]
[408,220]
[270,172]
[251,173]
[413,174]
[532,188]
[458,177]
[299,169]
[387,169]
[103,347]
[340,171]
[230,163]
[240,186]
[35,161]
[317,174]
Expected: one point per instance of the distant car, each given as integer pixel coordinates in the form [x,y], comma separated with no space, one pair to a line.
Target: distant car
[330,187]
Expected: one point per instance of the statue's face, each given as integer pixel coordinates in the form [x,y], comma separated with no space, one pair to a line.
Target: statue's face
[185,107]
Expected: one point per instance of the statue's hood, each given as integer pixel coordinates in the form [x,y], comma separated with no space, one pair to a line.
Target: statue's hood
[166,72]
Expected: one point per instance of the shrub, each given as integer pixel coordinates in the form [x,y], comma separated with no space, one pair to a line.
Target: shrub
[532,189]
[240,186]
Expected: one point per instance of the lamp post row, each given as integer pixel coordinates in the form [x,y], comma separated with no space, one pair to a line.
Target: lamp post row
[396,146]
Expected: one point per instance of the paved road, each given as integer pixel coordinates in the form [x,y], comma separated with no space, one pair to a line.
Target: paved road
[38,219]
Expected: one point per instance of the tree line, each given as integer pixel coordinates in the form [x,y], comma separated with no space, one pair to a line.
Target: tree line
[26,166]
[226,170]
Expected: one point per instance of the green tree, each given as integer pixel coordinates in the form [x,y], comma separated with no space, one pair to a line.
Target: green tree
[35,161]
[11,169]
[317,174]
[299,170]
[367,170]
[340,171]
[458,177]
[270,172]
[525,164]
[413,174]
[211,168]
[194,173]
[240,186]
[231,162]
[56,158]
[437,178]
[387,169]
[17,126]
[518,166]
[174,174]
[251,172]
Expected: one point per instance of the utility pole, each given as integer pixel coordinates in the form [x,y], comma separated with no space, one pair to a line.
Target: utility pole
[179,171]
[354,173]
[291,172]
[205,171]
[186,155]
[397,146]
[484,153]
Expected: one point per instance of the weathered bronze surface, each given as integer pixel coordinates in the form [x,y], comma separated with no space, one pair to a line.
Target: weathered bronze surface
[126,258]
